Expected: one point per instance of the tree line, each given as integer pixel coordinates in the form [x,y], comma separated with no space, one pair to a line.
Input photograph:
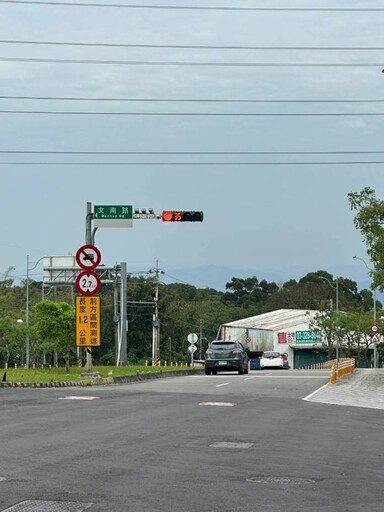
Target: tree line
[185,308]
[182,309]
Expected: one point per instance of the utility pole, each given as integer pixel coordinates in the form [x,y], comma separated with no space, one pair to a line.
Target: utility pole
[27,317]
[375,358]
[156,321]
[200,339]
[122,354]
[336,288]
[170,349]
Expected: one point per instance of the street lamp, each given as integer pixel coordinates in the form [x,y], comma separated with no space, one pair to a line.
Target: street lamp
[374,309]
[336,288]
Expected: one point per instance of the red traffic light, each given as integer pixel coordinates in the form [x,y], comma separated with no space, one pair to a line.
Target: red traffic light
[167,216]
[182,216]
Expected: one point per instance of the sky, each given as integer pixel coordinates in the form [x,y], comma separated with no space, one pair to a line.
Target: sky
[273,186]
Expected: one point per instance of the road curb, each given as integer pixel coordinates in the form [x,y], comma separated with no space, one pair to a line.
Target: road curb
[100,381]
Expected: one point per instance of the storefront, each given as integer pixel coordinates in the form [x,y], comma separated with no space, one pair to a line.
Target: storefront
[287,331]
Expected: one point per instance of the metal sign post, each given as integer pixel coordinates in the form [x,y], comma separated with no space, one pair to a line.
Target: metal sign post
[192,339]
[88,284]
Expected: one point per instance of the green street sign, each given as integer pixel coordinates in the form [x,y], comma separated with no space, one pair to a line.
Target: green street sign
[308,336]
[113,216]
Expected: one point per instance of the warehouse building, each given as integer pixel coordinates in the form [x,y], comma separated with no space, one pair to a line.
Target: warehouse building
[285,331]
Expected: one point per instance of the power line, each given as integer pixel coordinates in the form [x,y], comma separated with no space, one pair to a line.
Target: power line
[193,8]
[191,63]
[340,162]
[177,279]
[43,152]
[195,114]
[188,100]
[193,46]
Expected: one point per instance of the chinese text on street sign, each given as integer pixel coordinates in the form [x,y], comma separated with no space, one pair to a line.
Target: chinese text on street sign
[112,216]
[87,321]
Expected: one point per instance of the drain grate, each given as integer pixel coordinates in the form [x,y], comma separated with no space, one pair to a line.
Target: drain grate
[283,480]
[48,506]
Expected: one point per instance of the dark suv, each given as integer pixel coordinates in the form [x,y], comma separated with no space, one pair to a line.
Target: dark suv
[223,355]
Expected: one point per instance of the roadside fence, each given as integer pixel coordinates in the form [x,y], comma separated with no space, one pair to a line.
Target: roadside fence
[339,369]
[344,367]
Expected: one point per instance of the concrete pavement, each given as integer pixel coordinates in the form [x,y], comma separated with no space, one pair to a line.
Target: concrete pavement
[364,388]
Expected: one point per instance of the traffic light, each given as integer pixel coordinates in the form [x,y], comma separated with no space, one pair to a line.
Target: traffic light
[182,216]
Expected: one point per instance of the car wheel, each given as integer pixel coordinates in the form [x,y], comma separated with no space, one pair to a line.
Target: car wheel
[214,372]
[207,372]
[241,371]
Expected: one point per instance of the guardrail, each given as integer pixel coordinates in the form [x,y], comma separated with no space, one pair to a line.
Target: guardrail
[344,366]
[340,369]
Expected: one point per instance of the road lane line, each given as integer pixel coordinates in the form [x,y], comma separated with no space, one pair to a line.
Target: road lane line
[224,384]
[307,398]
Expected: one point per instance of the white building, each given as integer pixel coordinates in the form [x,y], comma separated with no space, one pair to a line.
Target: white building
[285,331]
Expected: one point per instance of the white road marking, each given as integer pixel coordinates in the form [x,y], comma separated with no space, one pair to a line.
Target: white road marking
[219,404]
[293,376]
[314,393]
[221,444]
[224,384]
[80,398]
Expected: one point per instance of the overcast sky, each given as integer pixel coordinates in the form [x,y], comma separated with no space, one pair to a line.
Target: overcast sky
[274,214]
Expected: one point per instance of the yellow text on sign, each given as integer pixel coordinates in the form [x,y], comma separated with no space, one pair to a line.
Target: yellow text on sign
[87,321]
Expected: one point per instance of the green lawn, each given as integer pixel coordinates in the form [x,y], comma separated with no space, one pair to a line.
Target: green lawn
[61,375]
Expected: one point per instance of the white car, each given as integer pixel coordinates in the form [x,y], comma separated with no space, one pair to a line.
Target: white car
[271,359]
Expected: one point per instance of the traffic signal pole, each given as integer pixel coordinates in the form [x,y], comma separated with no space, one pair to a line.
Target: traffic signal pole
[88,368]
[166,216]
[121,359]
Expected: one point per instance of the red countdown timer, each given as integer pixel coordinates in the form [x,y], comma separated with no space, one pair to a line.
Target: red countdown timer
[182,216]
[171,216]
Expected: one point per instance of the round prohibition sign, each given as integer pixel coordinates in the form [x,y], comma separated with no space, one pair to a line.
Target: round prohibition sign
[88,283]
[88,257]
[374,329]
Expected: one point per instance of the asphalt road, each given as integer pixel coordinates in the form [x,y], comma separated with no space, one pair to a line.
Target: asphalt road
[268,441]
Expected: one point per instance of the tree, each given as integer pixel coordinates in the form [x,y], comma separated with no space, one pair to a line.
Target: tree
[11,333]
[369,220]
[249,292]
[349,331]
[55,327]
[313,291]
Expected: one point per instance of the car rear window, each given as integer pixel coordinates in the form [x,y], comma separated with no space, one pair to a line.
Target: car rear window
[226,345]
[272,354]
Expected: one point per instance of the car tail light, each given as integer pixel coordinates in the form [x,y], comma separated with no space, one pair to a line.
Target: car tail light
[237,351]
[209,352]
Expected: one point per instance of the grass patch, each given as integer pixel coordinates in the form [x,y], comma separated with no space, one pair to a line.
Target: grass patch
[61,375]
